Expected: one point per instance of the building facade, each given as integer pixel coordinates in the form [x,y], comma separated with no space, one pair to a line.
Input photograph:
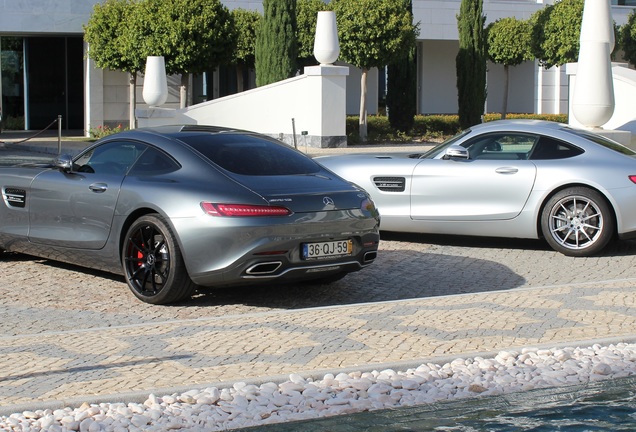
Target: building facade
[45,71]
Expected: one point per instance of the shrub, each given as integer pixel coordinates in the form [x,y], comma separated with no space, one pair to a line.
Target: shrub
[102,131]
[426,128]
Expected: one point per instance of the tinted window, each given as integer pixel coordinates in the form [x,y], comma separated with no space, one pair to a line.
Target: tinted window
[153,162]
[601,140]
[501,146]
[113,157]
[550,148]
[250,155]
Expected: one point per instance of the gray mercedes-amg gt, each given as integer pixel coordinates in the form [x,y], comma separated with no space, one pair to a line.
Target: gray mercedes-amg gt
[175,207]
[508,178]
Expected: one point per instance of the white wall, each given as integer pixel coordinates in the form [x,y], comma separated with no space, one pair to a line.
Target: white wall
[520,88]
[315,101]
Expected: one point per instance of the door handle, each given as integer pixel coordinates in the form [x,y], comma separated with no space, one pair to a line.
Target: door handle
[507,170]
[98,187]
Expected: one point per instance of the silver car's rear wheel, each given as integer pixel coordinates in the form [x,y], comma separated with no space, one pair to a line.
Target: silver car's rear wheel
[577,222]
[153,264]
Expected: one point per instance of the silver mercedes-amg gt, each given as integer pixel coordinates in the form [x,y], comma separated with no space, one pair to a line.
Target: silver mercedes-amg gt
[509,178]
[179,206]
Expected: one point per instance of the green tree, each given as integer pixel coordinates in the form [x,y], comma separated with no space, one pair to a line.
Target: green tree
[306,17]
[111,41]
[628,39]
[246,23]
[372,33]
[194,36]
[508,42]
[471,63]
[401,100]
[276,45]
[556,30]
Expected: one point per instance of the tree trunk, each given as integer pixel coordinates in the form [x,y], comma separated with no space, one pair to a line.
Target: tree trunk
[363,106]
[132,90]
[505,98]
[239,78]
[183,91]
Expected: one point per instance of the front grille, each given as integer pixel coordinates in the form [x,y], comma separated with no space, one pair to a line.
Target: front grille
[390,184]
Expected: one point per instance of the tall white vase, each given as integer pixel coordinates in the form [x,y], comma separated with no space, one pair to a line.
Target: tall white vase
[155,90]
[326,45]
[593,100]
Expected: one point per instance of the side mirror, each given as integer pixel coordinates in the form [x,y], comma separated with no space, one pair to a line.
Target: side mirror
[455,151]
[64,163]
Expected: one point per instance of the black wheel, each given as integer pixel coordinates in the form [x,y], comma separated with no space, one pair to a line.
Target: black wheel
[153,264]
[577,222]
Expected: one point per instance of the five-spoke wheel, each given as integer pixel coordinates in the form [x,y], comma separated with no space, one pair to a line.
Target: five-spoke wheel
[577,222]
[153,264]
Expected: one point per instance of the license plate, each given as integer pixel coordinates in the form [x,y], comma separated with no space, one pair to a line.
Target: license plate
[327,249]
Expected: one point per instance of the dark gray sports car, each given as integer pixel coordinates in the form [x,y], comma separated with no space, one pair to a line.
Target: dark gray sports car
[179,206]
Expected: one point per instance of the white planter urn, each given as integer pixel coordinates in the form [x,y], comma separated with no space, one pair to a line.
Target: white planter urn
[155,89]
[326,45]
[593,100]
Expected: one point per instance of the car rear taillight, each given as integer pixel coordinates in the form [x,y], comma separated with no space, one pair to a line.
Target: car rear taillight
[632,178]
[243,210]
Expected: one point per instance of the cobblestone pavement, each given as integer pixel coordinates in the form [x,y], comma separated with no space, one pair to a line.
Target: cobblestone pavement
[69,334]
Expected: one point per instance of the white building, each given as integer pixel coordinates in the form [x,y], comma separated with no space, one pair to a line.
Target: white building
[45,72]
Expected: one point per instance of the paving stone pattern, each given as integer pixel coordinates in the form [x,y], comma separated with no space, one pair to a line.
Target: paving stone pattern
[69,333]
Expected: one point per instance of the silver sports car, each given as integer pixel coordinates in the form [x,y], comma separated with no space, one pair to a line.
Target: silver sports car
[174,207]
[523,179]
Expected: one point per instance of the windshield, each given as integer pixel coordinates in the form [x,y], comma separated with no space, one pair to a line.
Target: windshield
[601,140]
[432,153]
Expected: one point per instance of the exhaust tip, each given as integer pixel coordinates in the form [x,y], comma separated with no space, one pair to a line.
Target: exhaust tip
[264,268]
[370,256]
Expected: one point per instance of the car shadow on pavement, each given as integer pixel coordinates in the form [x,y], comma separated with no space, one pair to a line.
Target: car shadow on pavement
[396,275]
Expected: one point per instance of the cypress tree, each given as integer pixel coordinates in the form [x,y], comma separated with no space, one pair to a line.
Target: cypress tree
[471,63]
[401,97]
[276,45]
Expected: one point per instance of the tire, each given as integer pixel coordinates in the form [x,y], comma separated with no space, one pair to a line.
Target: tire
[153,264]
[577,222]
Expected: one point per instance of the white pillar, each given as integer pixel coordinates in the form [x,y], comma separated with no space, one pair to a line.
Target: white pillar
[155,90]
[593,99]
[326,44]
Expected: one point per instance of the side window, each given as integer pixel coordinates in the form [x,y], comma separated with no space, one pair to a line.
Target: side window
[501,146]
[153,162]
[113,158]
[550,148]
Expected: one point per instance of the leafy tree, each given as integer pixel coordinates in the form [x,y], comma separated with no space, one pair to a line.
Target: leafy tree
[372,33]
[194,36]
[556,31]
[508,41]
[628,39]
[246,23]
[276,45]
[111,41]
[401,100]
[471,63]
[306,17]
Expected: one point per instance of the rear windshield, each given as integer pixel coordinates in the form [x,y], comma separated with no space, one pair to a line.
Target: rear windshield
[601,140]
[251,155]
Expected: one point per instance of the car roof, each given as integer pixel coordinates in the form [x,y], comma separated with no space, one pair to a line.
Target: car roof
[519,123]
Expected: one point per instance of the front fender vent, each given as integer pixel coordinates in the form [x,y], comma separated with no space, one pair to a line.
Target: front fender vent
[15,197]
[390,184]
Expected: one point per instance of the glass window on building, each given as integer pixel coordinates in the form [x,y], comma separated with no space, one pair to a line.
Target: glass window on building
[12,78]
[624,2]
[42,78]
